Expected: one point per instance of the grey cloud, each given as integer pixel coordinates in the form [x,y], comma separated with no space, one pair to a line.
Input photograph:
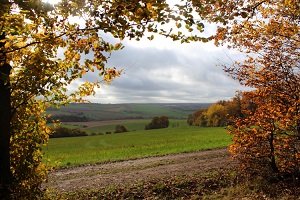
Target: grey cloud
[187,74]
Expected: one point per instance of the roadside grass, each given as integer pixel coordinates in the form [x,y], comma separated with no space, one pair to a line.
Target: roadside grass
[224,184]
[133,145]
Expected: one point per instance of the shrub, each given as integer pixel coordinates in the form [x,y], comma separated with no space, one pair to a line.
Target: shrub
[158,122]
[61,131]
[121,129]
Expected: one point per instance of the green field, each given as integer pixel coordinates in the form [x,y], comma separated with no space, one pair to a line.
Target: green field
[95,127]
[132,126]
[98,112]
[135,144]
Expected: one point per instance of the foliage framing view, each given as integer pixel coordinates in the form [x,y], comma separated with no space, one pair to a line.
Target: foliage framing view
[33,32]
[266,139]
[33,77]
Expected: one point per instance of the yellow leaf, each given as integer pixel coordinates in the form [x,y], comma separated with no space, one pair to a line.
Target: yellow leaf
[7,45]
[149,6]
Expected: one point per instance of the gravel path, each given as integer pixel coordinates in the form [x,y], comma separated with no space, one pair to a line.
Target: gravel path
[127,172]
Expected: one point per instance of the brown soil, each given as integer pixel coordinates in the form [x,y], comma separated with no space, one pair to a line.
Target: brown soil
[130,171]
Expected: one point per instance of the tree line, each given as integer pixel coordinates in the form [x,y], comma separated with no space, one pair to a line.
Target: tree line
[61,131]
[222,113]
[67,118]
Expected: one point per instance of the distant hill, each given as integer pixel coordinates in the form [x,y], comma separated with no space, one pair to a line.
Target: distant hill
[100,112]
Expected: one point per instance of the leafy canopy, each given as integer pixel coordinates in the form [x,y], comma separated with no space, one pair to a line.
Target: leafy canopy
[268,138]
[43,49]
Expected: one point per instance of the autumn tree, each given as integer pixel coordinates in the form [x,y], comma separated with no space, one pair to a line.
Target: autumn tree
[42,51]
[235,105]
[267,135]
[268,32]
[197,118]
[216,115]
[221,113]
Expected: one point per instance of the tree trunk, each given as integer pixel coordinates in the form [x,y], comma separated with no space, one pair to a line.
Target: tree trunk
[5,117]
[272,154]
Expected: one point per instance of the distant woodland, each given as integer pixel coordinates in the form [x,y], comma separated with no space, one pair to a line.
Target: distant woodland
[221,113]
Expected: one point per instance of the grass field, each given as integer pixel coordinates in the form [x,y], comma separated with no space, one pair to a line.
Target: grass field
[94,127]
[135,144]
[127,111]
[136,125]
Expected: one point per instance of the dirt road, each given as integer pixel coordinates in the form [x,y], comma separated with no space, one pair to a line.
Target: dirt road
[127,172]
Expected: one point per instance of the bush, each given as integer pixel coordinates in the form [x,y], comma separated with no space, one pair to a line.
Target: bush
[158,122]
[121,129]
[108,132]
[61,131]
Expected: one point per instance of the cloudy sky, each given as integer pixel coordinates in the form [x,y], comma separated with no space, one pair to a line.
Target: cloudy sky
[163,71]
